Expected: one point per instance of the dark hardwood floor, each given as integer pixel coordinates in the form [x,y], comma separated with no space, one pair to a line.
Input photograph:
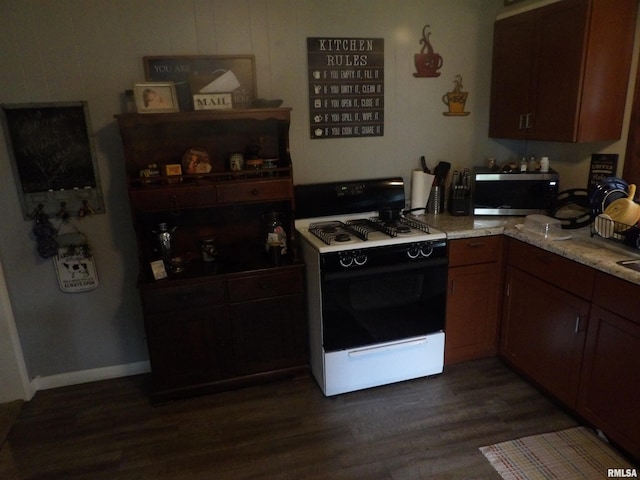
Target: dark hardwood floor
[426,428]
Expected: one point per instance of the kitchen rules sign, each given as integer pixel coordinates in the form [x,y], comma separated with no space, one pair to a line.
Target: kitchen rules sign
[346,87]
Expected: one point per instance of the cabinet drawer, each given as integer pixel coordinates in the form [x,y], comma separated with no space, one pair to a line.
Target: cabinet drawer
[183,297]
[617,296]
[265,286]
[255,191]
[554,269]
[172,198]
[470,251]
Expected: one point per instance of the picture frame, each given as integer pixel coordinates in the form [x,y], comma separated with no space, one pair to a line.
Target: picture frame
[192,72]
[156,97]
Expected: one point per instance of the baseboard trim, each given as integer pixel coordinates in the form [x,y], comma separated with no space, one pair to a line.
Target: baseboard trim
[92,375]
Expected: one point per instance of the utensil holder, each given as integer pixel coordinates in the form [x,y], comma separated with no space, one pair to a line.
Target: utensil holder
[435,204]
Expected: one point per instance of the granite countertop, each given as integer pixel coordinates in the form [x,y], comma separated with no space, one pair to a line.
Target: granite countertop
[595,252]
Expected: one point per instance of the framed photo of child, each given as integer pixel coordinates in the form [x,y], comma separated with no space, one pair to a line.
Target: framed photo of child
[156,97]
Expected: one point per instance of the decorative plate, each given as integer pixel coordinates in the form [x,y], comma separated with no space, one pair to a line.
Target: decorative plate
[606,192]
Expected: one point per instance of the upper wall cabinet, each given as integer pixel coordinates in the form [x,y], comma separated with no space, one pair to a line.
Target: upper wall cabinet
[560,72]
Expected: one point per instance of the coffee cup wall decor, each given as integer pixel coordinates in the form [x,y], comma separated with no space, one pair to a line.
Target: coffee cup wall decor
[456,99]
[427,63]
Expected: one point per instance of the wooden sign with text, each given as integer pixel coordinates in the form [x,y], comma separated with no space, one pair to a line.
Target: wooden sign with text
[346,87]
[603,165]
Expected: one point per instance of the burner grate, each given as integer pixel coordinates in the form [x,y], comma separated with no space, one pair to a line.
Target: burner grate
[423,227]
[331,231]
[366,226]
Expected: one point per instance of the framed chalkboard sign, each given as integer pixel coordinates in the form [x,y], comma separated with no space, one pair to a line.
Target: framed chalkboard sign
[53,156]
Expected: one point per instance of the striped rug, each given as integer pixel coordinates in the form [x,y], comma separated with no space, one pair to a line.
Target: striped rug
[576,453]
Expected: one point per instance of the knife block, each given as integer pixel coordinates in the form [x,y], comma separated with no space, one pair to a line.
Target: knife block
[459,200]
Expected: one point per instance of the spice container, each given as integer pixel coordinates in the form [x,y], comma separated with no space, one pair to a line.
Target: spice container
[544,164]
[236,162]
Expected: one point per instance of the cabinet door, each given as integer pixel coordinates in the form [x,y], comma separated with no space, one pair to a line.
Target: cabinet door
[472,312]
[512,70]
[189,347]
[543,333]
[610,383]
[557,73]
[269,334]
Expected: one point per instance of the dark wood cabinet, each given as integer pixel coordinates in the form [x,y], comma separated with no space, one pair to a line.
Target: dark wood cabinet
[473,298]
[240,319]
[575,332]
[545,317]
[610,383]
[543,333]
[560,72]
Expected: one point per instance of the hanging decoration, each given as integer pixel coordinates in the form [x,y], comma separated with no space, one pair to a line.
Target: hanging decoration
[427,64]
[456,99]
[69,248]
[74,263]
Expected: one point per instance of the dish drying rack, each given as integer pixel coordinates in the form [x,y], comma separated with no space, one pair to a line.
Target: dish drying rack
[616,231]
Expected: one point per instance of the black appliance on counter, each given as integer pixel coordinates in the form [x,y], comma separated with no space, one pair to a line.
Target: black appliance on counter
[376,285]
[513,193]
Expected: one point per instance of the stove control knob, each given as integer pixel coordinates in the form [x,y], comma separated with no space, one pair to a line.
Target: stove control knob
[413,251]
[426,249]
[346,260]
[360,258]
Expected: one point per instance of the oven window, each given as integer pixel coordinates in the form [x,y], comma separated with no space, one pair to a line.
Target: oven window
[383,307]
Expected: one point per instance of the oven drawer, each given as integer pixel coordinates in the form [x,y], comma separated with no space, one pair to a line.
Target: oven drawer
[381,364]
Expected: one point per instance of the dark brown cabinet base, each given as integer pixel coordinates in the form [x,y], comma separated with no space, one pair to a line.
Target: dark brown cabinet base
[227,343]
[575,332]
[473,298]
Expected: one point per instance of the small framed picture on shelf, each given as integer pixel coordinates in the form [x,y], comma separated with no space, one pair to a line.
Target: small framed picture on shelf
[156,97]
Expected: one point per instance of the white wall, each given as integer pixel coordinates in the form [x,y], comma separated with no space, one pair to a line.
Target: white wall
[92,50]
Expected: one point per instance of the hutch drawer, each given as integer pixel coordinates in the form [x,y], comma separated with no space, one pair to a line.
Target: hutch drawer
[265,286]
[254,191]
[182,297]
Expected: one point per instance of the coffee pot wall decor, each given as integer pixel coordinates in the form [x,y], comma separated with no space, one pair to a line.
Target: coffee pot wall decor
[427,63]
[456,99]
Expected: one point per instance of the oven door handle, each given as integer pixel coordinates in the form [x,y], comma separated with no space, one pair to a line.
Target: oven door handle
[387,347]
[404,267]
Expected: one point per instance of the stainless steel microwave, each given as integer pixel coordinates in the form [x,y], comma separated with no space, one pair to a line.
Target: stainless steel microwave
[513,193]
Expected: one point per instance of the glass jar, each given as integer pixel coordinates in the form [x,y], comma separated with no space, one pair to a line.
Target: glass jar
[208,249]
[276,238]
[254,166]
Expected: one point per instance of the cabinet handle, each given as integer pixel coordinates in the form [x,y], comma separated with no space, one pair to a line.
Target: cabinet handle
[174,209]
[254,192]
[576,328]
[528,121]
[521,125]
[476,244]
